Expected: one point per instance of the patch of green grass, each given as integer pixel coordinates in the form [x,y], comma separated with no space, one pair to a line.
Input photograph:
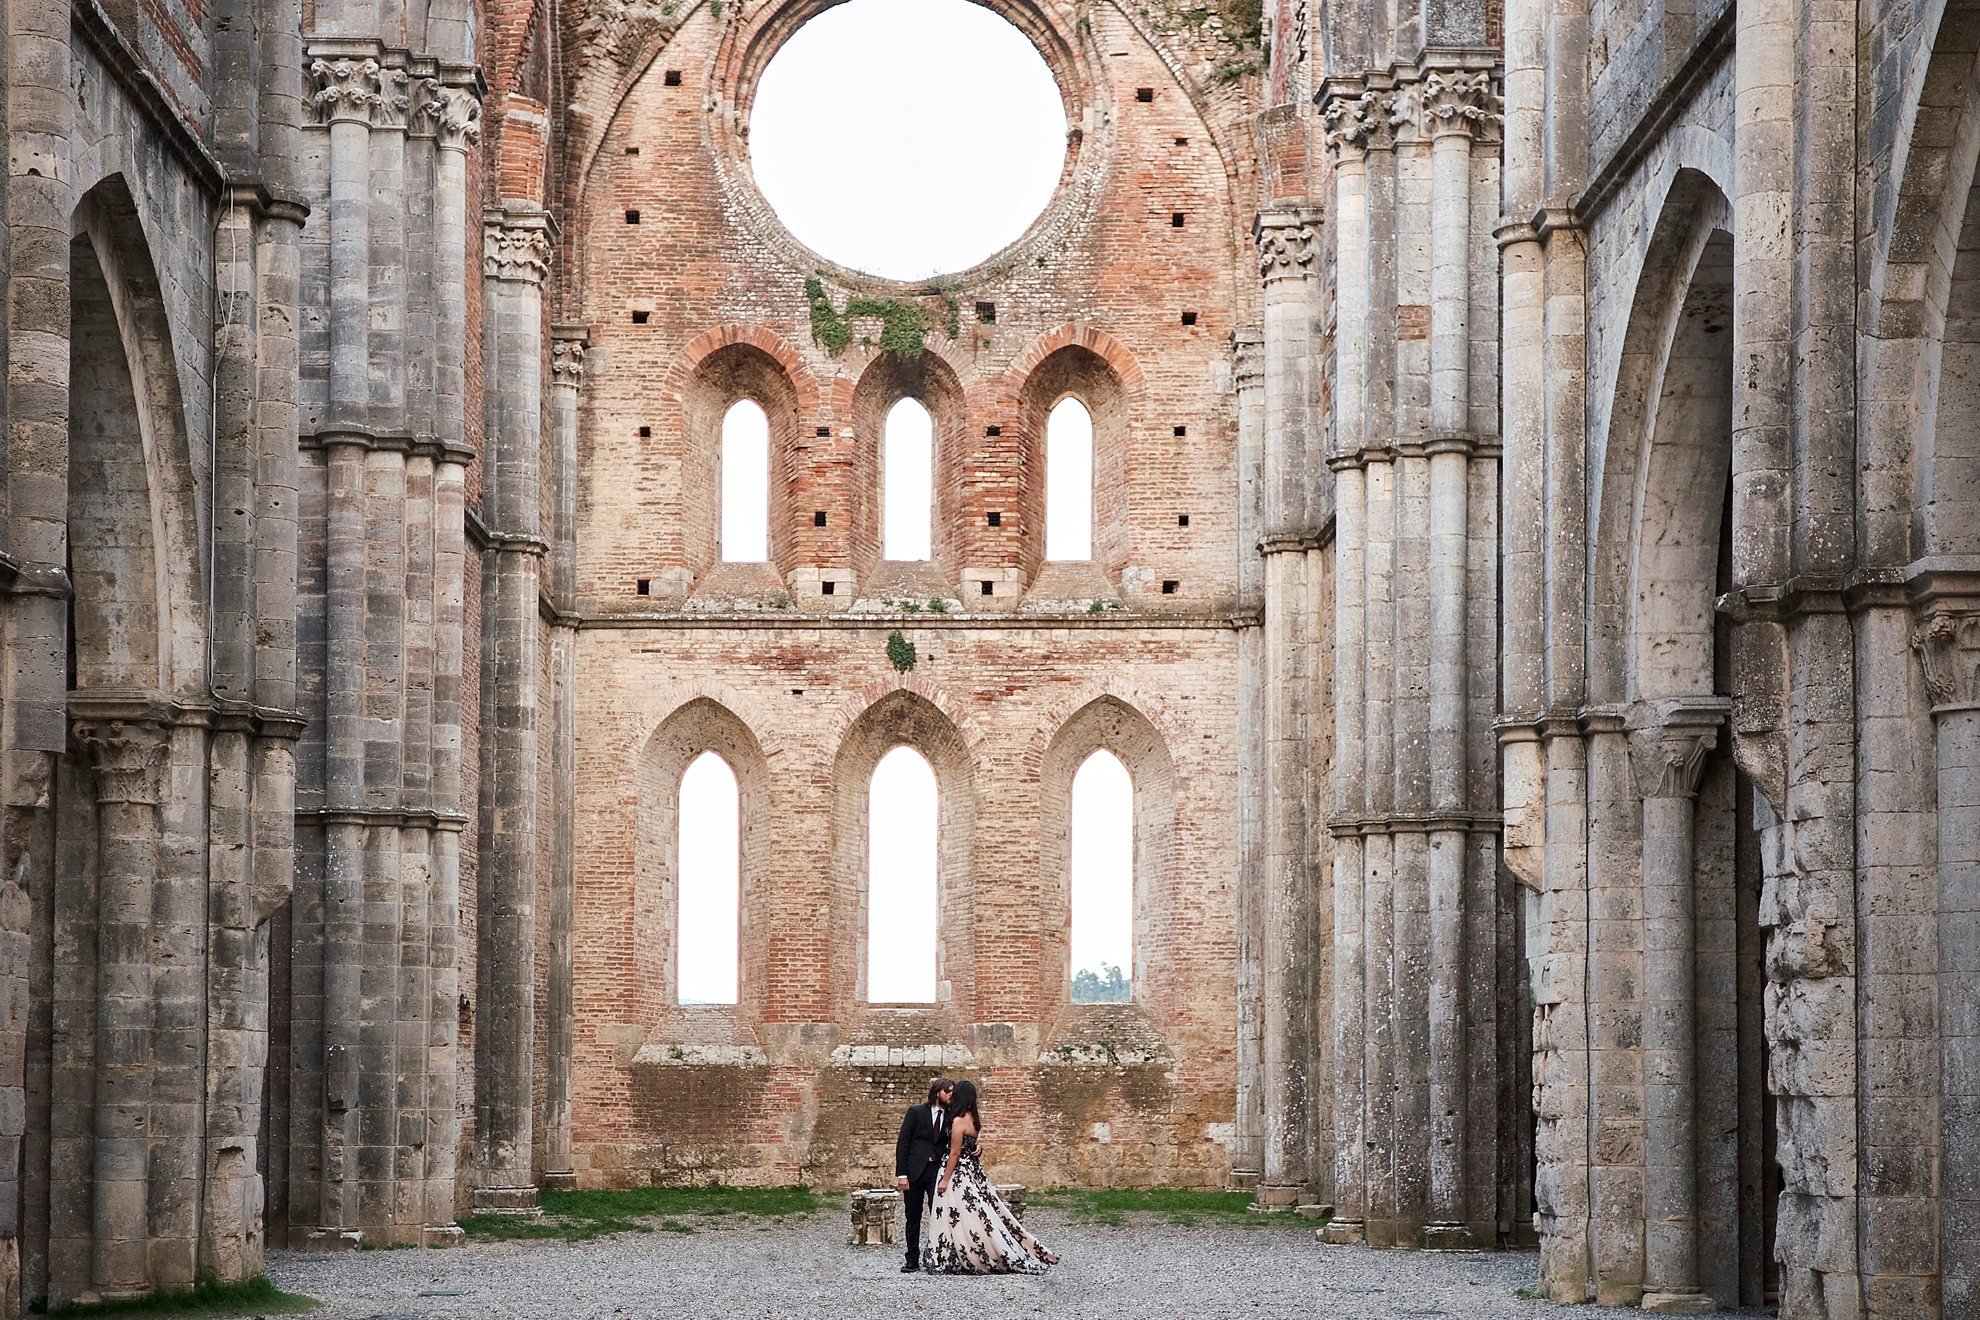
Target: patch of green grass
[581,1216]
[1111,1206]
[208,1301]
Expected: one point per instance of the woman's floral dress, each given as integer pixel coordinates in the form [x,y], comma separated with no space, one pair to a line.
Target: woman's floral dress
[974,1232]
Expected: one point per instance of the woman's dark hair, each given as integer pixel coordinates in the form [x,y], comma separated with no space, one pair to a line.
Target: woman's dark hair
[964,1102]
[935,1089]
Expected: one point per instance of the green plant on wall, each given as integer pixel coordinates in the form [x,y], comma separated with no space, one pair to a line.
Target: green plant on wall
[900,652]
[904,326]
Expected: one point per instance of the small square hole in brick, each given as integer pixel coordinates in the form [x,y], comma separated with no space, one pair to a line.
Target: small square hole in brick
[1169,586]
[1182,142]
[639,318]
[1189,318]
[994,518]
[825,588]
[1144,94]
[632,151]
[993,430]
[673,78]
[986,312]
[646,433]
[1181,431]
[1176,219]
[1182,520]
[644,586]
[632,217]
[989,587]
[818,518]
[823,433]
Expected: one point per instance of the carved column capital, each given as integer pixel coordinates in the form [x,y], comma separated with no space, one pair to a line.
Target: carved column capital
[1288,244]
[515,252]
[1947,640]
[349,90]
[1464,103]
[1670,743]
[394,98]
[567,361]
[1247,357]
[128,756]
[1356,121]
[457,118]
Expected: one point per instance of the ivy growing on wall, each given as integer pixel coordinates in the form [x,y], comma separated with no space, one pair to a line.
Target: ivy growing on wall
[904,326]
[900,652]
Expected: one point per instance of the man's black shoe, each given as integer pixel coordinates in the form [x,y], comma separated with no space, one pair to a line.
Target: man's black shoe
[910,1268]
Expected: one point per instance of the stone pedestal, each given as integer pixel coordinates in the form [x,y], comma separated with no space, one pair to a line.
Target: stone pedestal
[872,1213]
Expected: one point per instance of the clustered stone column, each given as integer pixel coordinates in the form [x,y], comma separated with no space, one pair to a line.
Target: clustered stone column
[388,806]
[1289,255]
[1416,944]
[516,259]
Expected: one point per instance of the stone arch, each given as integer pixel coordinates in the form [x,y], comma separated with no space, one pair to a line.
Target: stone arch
[699,725]
[1078,371]
[883,382]
[726,369]
[905,717]
[137,618]
[1109,723]
[1638,479]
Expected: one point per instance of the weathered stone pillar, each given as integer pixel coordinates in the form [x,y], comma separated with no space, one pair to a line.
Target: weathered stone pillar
[1289,265]
[515,263]
[567,353]
[1670,761]
[128,757]
[1248,382]
[1948,642]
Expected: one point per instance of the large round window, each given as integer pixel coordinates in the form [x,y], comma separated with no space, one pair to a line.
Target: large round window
[907,138]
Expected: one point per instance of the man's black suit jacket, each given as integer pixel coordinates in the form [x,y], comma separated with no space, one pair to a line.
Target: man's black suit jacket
[920,1144]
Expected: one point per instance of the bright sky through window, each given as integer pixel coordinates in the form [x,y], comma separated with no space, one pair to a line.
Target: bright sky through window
[745,484]
[1069,481]
[901,862]
[1102,877]
[907,469]
[710,882]
[907,138]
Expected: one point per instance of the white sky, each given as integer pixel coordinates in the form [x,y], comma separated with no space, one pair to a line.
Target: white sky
[1103,865]
[1069,481]
[908,138]
[711,852]
[900,906]
[745,484]
[907,474]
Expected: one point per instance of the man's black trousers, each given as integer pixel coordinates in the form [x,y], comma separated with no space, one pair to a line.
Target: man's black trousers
[918,1193]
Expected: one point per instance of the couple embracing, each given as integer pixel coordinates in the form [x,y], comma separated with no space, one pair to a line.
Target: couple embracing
[937,1169]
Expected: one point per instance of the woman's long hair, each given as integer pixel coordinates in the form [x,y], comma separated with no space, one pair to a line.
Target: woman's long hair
[964,1102]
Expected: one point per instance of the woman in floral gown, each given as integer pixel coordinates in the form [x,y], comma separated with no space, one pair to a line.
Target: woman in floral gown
[973,1231]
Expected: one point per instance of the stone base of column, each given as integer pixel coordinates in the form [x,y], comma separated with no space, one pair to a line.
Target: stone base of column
[1449,1237]
[504,1201]
[1273,1198]
[563,1180]
[334,1239]
[442,1236]
[1688,1302]
[1344,1233]
[1246,1180]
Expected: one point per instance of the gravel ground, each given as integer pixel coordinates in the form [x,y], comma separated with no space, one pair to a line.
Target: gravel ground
[803,1267]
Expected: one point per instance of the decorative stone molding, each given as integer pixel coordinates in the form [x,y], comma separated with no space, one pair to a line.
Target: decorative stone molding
[567,362]
[518,253]
[1459,103]
[423,117]
[347,90]
[394,98]
[1247,356]
[128,756]
[1947,640]
[1357,121]
[1672,741]
[1288,245]
[458,119]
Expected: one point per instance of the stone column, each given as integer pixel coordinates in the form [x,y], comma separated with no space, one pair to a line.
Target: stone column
[1289,265]
[1248,381]
[567,353]
[1670,761]
[128,756]
[516,259]
[1948,643]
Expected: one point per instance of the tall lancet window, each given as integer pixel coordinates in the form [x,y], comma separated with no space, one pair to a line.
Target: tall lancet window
[1102,881]
[907,473]
[902,805]
[1069,481]
[745,484]
[710,886]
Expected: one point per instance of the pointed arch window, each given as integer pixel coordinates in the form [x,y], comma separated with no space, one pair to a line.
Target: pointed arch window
[1102,847]
[901,907]
[710,889]
[745,530]
[1069,481]
[907,475]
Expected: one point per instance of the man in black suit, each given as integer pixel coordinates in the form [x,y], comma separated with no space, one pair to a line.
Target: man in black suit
[919,1153]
